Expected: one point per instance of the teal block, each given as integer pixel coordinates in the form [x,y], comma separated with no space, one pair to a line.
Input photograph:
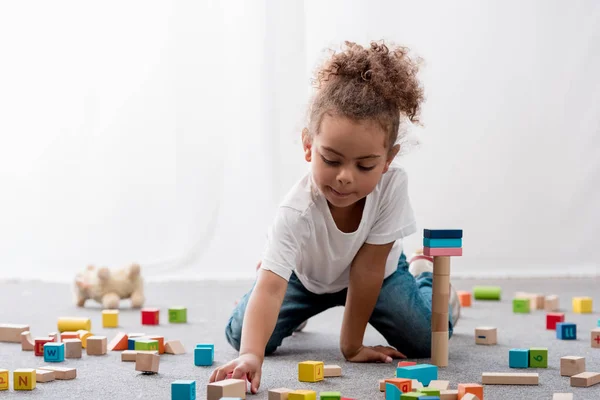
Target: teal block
[183,390]
[424,373]
[518,358]
[599,322]
[521,306]
[429,398]
[436,243]
[392,392]
[204,355]
[538,357]
[54,352]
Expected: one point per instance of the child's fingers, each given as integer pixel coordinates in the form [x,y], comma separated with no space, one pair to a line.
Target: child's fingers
[223,371]
[390,351]
[255,382]
[239,372]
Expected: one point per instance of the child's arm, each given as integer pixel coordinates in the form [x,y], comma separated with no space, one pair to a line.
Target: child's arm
[259,322]
[366,278]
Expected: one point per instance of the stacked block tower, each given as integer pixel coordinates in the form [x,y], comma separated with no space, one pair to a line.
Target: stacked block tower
[441,244]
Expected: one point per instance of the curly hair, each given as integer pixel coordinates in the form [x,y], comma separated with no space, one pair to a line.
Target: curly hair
[368,83]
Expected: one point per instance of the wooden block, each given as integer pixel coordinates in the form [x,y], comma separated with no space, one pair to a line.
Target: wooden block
[487,292]
[551,303]
[174,347]
[73,348]
[146,344]
[43,376]
[24,379]
[439,348]
[439,322]
[110,318]
[226,388]
[437,243]
[582,305]
[332,370]
[572,365]
[12,332]
[536,301]
[595,338]
[470,388]
[39,345]
[441,265]
[441,284]
[61,373]
[183,389]
[3,379]
[470,396]
[83,336]
[55,336]
[69,335]
[403,384]
[406,363]
[150,316]
[73,324]
[442,385]
[147,362]
[177,315]
[302,394]
[310,371]
[131,355]
[443,233]
[382,385]
[585,379]
[521,305]
[119,342]
[416,385]
[509,378]
[96,345]
[26,341]
[464,298]
[443,251]
[552,319]
[279,394]
[449,394]
[161,343]
[562,396]
[486,335]
[54,352]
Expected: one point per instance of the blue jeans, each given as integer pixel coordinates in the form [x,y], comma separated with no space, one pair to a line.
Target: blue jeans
[402,313]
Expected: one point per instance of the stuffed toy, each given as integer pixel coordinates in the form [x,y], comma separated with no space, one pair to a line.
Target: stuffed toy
[109,287]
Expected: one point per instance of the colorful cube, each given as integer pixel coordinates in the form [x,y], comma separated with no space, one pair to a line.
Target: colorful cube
[424,373]
[302,395]
[161,343]
[406,363]
[427,397]
[110,318]
[473,388]
[566,331]
[146,344]
[39,345]
[443,233]
[330,396]
[538,357]
[183,390]
[204,354]
[150,316]
[408,396]
[24,379]
[521,306]
[518,358]
[464,298]
[552,319]
[430,391]
[311,371]
[54,352]
[437,243]
[404,385]
[582,305]
[3,379]
[177,315]
[595,339]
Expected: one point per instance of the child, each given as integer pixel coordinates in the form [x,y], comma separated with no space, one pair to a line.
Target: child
[336,238]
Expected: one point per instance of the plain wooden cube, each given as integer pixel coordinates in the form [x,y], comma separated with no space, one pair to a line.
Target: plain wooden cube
[449,394]
[332,370]
[147,362]
[62,373]
[43,376]
[442,385]
[279,394]
[551,303]
[486,335]
[26,341]
[562,396]
[226,388]
[72,348]
[572,365]
[585,379]
[96,345]
[174,347]
[12,332]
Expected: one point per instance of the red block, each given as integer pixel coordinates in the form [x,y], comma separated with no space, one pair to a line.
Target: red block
[552,319]
[406,363]
[39,345]
[150,316]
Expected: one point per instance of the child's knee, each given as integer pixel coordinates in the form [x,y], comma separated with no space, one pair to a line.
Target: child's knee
[233,334]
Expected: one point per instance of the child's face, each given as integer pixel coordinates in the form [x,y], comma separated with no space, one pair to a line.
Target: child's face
[348,158]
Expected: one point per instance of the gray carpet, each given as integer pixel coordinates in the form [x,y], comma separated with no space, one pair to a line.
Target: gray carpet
[209,305]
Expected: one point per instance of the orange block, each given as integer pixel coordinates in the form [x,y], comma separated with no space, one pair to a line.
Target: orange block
[161,343]
[406,363]
[473,388]
[464,298]
[119,342]
[405,385]
[69,335]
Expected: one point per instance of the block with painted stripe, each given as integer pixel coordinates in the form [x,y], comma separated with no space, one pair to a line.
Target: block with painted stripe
[428,242]
[443,233]
[442,251]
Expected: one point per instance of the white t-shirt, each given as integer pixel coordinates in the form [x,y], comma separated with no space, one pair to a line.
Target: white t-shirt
[305,239]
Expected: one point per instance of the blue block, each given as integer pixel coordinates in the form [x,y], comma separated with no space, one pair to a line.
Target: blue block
[443,233]
[392,392]
[566,331]
[183,390]
[433,243]
[212,346]
[518,358]
[424,373]
[599,322]
[54,352]
[131,344]
[429,398]
[204,356]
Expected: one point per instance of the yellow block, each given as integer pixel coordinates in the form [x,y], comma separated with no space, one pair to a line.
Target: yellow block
[3,379]
[74,324]
[310,371]
[302,395]
[24,379]
[83,336]
[110,318]
[582,305]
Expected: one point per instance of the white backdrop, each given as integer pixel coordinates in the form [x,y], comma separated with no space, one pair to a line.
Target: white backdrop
[167,132]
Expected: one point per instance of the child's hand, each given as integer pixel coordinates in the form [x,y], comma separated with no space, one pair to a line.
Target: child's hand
[375,354]
[246,366]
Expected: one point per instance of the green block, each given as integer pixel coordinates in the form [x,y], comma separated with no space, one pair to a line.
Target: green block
[487,292]
[411,395]
[430,391]
[330,395]
[538,357]
[177,315]
[146,344]
[521,306]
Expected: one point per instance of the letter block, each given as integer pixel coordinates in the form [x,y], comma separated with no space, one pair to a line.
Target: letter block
[24,379]
[472,388]
[150,316]
[183,390]
[177,315]
[521,306]
[404,385]
[595,338]
[552,319]
[311,371]
[538,357]
[54,352]
[3,379]
[566,331]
